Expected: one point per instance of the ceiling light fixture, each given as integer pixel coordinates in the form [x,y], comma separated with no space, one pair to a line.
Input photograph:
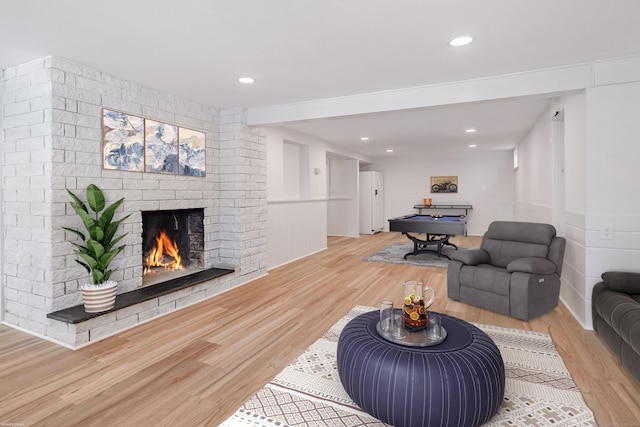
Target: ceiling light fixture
[246,80]
[461,41]
[470,130]
[389,150]
[473,145]
[364,138]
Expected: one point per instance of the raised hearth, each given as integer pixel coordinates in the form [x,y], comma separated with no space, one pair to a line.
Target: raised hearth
[77,314]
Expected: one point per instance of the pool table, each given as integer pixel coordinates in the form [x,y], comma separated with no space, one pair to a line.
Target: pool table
[437,228]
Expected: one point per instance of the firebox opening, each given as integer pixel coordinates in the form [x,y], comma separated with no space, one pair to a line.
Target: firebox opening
[172,244]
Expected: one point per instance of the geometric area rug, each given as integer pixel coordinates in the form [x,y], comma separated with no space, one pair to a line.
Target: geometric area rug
[395,252]
[539,390]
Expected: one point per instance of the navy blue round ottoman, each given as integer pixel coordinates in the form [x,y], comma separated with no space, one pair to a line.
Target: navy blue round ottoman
[459,382]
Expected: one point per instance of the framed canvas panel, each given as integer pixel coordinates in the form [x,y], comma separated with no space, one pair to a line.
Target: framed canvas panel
[444,184]
[160,147]
[191,153]
[122,141]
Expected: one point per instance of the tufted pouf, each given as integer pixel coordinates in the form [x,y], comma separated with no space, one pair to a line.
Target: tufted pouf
[459,382]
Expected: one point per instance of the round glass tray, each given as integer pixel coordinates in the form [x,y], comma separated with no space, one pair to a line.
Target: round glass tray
[421,338]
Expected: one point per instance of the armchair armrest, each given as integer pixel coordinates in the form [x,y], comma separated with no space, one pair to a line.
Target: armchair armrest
[533,265]
[471,256]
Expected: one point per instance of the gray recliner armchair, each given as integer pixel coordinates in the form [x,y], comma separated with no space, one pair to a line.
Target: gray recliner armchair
[516,271]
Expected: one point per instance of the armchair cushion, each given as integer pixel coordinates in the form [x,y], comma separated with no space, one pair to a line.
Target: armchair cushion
[629,283]
[471,256]
[502,252]
[533,265]
[487,278]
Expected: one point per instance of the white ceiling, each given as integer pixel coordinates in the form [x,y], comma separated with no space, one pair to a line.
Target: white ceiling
[305,50]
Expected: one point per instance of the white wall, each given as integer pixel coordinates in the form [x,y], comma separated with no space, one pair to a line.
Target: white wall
[1,198]
[534,188]
[296,198]
[533,178]
[294,174]
[573,291]
[601,174]
[342,204]
[296,228]
[575,136]
[602,150]
[485,180]
[301,215]
[613,197]
[287,150]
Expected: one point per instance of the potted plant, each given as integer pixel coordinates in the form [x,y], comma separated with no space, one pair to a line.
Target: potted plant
[98,247]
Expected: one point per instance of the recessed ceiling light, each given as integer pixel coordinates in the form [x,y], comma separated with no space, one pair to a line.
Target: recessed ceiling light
[364,138]
[389,150]
[470,130]
[461,41]
[246,80]
[473,145]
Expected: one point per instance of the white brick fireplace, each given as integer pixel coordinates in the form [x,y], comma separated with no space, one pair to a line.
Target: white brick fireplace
[51,139]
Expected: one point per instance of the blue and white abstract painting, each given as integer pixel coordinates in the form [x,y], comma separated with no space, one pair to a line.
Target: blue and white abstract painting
[192,152]
[161,147]
[123,141]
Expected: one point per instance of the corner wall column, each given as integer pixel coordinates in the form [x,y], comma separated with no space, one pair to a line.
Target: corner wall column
[243,194]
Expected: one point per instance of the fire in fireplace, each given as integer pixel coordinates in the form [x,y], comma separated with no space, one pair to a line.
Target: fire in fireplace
[164,254]
[172,244]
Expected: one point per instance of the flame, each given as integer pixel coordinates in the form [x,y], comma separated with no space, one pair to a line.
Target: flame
[164,254]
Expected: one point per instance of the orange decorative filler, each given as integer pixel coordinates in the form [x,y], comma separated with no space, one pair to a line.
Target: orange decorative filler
[415,315]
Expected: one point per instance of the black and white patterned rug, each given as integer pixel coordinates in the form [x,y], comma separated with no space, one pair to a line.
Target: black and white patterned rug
[394,254]
[539,390]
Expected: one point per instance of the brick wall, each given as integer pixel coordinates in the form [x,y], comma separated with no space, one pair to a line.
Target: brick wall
[51,139]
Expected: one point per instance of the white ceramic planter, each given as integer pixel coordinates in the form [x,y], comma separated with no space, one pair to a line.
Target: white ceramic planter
[99,298]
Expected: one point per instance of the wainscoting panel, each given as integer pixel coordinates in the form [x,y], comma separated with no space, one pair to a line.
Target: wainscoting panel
[342,217]
[295,229]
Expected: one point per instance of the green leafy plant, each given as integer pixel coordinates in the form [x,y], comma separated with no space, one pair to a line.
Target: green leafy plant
[98,247]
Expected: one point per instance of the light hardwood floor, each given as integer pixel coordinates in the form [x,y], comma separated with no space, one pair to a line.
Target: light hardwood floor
[196,366]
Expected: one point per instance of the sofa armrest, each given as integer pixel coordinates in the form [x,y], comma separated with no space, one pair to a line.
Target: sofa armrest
[533,265]
[629,283]
[471,256]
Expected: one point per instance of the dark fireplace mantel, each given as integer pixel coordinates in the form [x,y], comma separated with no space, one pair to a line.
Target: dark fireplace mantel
[77,314]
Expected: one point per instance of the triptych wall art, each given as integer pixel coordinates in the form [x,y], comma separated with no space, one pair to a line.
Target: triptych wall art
[135,144]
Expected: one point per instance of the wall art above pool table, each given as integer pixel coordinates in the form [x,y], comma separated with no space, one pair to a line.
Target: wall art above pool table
[444,184]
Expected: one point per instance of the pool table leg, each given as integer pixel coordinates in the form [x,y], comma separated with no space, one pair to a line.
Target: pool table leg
[422,245]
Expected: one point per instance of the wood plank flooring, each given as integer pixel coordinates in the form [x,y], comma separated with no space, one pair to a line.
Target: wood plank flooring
[196,366]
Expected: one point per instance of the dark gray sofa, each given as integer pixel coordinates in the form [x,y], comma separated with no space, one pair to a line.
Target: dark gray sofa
[516,270]
[615,305]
